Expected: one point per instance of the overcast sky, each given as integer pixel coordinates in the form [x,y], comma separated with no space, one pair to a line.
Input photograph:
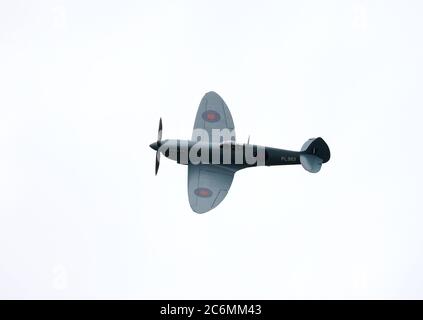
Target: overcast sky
[82,87]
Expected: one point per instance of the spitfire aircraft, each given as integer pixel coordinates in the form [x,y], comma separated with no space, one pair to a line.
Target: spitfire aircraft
[213,156]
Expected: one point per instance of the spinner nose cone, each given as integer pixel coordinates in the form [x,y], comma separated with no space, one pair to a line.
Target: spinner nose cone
[154,146]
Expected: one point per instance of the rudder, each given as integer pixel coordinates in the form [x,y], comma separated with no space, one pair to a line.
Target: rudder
[314,152]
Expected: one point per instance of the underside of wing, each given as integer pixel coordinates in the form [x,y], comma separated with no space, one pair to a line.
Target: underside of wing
[213,113]
[208,185]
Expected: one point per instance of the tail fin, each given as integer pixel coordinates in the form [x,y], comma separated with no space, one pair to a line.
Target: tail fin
[314,152]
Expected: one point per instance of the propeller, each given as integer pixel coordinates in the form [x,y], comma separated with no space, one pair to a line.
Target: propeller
[157,161]
[159,140]
[159,133]
[248,142]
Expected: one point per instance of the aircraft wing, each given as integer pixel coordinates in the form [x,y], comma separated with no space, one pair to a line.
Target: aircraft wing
[208,185]
[213,113]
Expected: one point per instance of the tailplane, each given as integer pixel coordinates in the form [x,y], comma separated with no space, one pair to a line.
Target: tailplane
[314,152]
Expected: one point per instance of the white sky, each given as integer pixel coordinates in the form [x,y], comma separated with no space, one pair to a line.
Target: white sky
[82,87]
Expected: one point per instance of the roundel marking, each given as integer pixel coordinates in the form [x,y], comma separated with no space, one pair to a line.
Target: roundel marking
[210,116]
[203,192]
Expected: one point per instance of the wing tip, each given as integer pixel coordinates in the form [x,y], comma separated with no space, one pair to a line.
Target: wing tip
[212,93]
[199,211]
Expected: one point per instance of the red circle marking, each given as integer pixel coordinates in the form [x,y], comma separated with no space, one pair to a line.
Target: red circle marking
[211,116]
[203,192]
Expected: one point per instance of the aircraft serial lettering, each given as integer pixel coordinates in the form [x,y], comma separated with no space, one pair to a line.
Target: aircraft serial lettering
[289,159]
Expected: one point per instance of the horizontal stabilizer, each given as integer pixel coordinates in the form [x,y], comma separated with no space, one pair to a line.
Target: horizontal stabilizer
[313,153]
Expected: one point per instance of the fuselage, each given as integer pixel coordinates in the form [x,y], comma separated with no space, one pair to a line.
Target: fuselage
[228,153]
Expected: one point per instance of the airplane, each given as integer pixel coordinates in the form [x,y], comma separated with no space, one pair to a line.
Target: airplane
[212,163]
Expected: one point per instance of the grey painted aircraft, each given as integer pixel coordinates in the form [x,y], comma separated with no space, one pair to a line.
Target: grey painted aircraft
[213,156]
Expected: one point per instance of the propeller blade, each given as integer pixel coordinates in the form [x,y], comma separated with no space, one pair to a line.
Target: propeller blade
[157,161]
[248,142]
[159,134]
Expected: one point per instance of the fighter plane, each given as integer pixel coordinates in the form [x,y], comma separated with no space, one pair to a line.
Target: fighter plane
[213,156]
